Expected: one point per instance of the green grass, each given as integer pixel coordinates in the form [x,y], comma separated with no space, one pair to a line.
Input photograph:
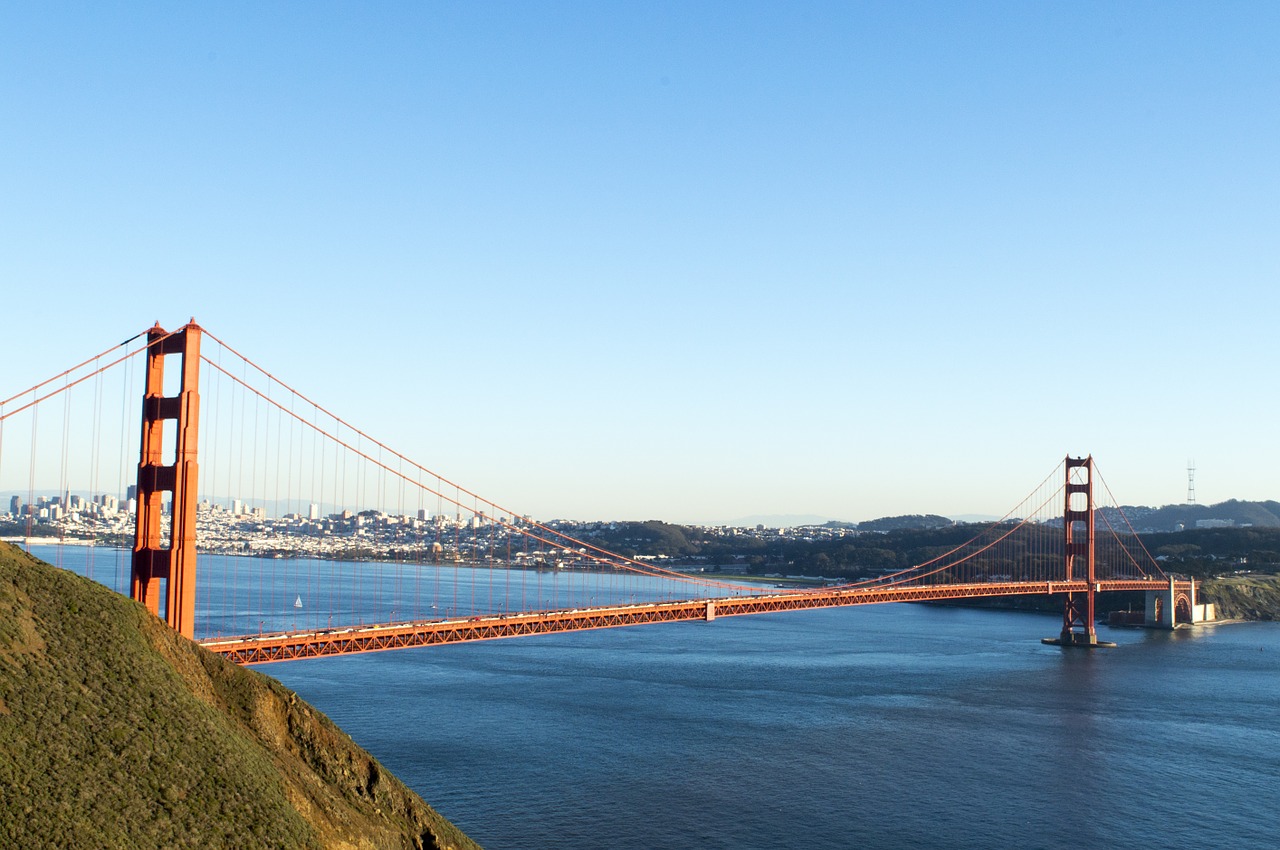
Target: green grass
[116,732]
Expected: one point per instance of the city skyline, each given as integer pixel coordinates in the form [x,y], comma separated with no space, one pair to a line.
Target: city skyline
[681,264]
[123,507]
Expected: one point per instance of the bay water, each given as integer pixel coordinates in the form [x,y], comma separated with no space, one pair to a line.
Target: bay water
[876,727]
[888,726]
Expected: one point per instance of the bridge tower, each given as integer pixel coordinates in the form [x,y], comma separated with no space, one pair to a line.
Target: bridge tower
[154,562]
[1078,612]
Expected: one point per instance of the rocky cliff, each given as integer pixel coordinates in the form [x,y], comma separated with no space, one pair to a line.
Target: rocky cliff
[1244,597]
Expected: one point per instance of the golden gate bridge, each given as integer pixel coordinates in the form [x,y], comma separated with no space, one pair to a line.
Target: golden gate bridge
[234,462]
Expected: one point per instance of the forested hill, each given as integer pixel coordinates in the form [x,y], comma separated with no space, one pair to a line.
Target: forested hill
[116,732]
[853,553]
[908,522]
[1178,517]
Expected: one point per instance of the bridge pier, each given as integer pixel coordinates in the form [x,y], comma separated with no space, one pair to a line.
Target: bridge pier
[1176,607]
[1078,615]
[1078,623]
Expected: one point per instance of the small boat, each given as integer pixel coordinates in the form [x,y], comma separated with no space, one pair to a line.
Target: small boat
[297,603]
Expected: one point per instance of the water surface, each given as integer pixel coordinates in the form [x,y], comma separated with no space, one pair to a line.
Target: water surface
[882,727]
[879,727]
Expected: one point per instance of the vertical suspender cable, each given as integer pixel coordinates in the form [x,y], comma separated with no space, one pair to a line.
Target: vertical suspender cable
[63,496]
[2,419]
[418,558]
[92,514]
[276,446]
[401,541]
[31,476]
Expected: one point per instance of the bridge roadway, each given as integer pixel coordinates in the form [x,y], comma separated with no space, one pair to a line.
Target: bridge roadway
[288,646]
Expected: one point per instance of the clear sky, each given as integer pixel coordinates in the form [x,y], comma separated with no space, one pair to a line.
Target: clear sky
[689,261]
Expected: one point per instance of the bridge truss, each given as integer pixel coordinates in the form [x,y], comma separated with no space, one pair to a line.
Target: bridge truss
[285,500]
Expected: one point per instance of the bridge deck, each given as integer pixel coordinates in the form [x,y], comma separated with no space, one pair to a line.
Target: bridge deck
[258,649]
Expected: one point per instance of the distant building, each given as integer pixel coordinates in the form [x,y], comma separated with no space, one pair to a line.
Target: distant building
[313,512]
[15,505]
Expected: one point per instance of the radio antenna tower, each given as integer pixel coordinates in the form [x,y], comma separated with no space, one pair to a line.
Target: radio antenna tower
[1191,482]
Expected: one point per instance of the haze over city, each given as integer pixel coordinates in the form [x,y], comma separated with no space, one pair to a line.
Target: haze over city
[694,264]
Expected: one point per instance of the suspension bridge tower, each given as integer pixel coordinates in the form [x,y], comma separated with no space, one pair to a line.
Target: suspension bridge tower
[171,562]
[1078,612]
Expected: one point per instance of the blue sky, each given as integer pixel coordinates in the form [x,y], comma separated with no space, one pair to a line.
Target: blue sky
[689,261]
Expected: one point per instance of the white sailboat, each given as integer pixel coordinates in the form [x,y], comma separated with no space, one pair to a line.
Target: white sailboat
[297,603]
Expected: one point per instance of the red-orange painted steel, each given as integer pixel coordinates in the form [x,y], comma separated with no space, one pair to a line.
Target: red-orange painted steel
[152,563]
[1077,618]
[259,649]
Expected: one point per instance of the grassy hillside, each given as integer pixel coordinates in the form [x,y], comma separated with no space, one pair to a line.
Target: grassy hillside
[1244,597]
[115,732]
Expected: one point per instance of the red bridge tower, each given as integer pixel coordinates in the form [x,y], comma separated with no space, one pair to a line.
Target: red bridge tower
[174,564]
[1078,612]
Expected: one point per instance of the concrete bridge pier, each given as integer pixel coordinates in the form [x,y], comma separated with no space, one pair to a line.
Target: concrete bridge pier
[1176,607]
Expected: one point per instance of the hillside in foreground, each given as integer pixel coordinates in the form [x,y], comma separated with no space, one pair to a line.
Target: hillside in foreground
[116,732]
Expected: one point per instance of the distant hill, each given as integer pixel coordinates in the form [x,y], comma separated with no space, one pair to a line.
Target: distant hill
[1168,518]
[889,523]
[905,523]
[116,732]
